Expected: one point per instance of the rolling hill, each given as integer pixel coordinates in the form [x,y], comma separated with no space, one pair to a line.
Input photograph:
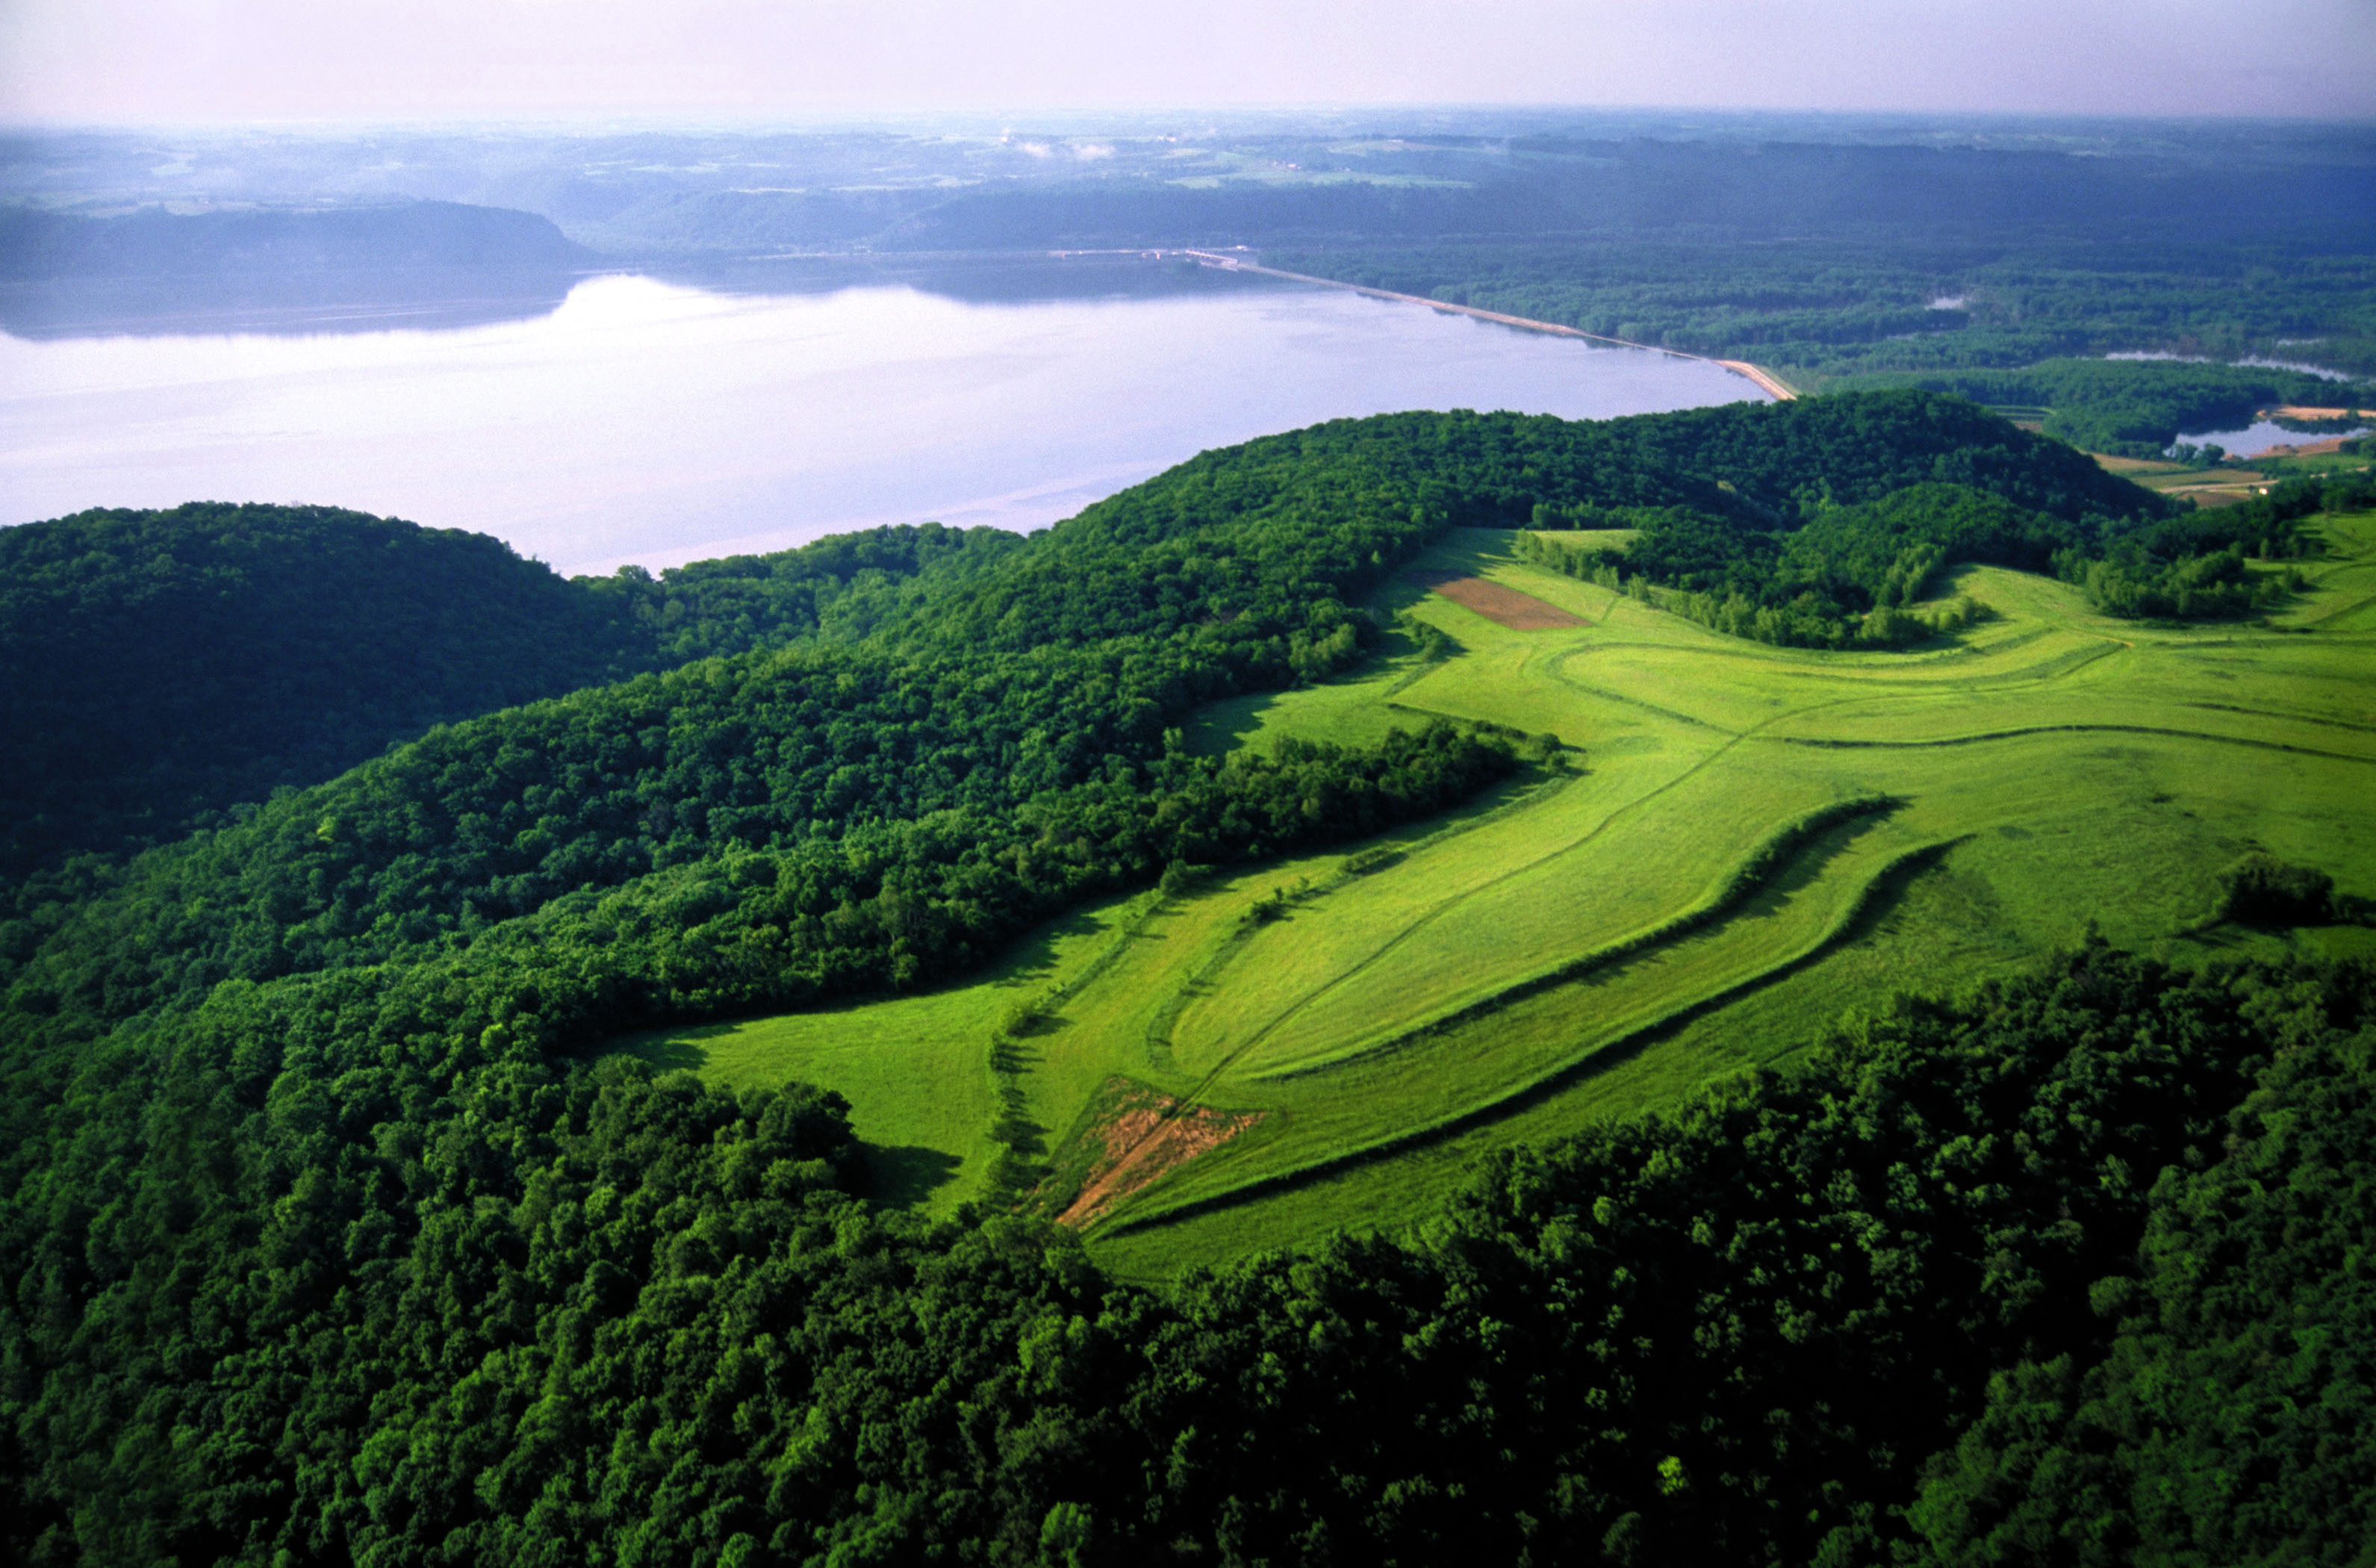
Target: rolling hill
[159,667]
[1297,866]
[1731,844]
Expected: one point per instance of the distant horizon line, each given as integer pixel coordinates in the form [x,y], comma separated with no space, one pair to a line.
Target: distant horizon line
[715,119]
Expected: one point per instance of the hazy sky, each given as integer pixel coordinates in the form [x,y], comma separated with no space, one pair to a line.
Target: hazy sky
[182,60]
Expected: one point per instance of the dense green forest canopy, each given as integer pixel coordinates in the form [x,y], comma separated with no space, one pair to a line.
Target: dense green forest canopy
[158,666]
[453,1298]
[323,1243]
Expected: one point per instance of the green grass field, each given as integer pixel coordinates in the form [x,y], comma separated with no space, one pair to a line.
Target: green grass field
[1636,918]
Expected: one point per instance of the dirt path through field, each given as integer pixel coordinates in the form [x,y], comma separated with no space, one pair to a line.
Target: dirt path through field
[1145,1139]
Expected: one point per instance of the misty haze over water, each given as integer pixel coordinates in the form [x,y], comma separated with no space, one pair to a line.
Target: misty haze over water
[659,423]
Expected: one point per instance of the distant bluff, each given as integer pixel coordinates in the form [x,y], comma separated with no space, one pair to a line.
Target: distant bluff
[154,242]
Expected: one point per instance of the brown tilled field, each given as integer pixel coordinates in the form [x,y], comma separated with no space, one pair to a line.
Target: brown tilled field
[1502,606]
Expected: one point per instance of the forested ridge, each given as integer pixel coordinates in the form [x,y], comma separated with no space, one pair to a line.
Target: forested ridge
[324,1243]
[156,667]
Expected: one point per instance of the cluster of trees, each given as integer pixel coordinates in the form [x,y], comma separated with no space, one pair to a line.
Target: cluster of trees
[2132,584]
[1844,576]
[2194,567]
[320,1240]
[2264,890]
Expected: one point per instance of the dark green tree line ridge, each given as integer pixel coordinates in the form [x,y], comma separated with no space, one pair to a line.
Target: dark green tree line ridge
[393,1286]
[156,667]
[1841,579]
[157,664]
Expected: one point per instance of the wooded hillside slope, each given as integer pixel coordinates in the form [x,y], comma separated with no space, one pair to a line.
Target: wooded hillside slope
[322,1242]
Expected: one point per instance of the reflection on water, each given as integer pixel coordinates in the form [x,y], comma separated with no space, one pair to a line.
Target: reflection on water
[984,278]
[431,298]
[2263,434]
[656,422]
[300,302]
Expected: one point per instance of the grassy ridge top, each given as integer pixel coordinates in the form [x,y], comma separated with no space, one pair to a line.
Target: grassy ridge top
[1703,890]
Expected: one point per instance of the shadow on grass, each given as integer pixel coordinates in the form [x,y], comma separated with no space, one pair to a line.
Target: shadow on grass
[1028,961]
[1224,727]
[902,1175]
[679,1051]
[1031,960]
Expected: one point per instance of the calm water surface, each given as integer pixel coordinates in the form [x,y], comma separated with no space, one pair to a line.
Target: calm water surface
[659,423]
[2262,434]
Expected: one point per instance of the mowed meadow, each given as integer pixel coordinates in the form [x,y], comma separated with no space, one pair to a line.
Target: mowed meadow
[1722,848]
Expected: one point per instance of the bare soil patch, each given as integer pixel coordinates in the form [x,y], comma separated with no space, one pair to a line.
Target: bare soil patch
[1147,1135]
[1502,606]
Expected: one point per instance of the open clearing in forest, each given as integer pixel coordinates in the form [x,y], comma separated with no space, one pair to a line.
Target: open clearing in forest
[1738,843]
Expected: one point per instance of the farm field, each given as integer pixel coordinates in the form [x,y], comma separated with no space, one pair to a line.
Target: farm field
[2209,487]
[1733,844]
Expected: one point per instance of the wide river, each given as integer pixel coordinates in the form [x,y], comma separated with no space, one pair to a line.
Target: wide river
[658,422]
